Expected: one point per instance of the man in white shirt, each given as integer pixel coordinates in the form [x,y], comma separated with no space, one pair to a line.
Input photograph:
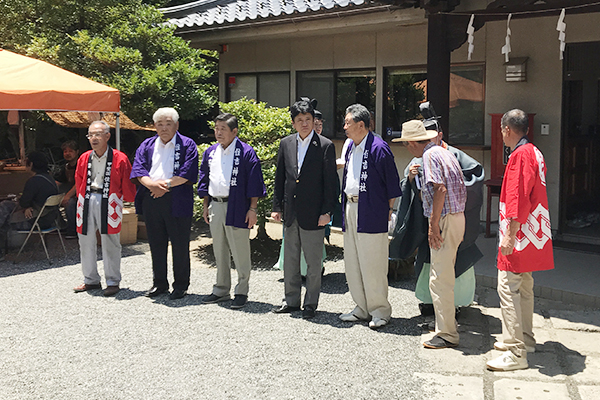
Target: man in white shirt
[305,197]
[370,187]
[230,184]
[166,166]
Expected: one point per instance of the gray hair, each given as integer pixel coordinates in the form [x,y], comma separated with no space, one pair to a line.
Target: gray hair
[517,120]
[359,113]
[105,126]
[166,112]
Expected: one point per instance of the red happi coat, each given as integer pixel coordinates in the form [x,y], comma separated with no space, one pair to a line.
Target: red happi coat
[120,189]
[524,198]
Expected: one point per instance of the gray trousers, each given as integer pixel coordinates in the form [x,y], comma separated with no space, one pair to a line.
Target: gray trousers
[111,248]
[311,243]
[229,241]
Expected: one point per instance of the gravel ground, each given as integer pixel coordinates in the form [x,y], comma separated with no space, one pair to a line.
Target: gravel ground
[55,344]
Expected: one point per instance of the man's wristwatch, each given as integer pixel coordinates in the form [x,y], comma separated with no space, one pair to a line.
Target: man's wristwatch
[169,184]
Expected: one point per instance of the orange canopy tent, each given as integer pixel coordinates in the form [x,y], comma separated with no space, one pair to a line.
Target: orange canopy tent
[30,84]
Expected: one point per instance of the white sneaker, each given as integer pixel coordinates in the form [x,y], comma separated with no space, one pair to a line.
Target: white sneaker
[349,317]
[507,362]
[377,323]
[500,346]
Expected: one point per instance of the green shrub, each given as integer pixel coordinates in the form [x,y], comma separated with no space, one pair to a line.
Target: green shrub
[261,127]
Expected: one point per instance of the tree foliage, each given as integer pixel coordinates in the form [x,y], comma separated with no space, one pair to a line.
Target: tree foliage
[121,43]
[261,127]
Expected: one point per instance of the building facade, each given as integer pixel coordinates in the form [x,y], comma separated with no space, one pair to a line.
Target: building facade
[380,54]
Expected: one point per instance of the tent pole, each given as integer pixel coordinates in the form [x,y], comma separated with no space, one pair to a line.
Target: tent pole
[118,131]
[21,140]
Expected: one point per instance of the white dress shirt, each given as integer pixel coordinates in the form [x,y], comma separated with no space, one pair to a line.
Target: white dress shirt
[354,168]
[98,168]
[303,148]
[163,159]
[220,167]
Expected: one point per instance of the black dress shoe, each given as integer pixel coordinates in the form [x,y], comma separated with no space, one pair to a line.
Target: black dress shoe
[177,294]
[155,291]
[284,308]
[308,313]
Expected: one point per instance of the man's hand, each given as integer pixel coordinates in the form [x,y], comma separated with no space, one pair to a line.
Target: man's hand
[324,219]
[508,241]
[251,218]
[435,236]
[507,246]
[205,214]
[65,200]
[276,216]
[158,188]
[413,171]
[28,212]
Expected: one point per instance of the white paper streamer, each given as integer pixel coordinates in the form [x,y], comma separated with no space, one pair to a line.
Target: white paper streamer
[470,32]
[561,27]
[506,48]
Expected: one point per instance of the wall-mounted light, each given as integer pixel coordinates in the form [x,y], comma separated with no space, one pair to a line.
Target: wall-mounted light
[516,69]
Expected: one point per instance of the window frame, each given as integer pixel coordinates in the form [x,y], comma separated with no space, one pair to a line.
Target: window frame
[257,88]
[386,75]
[335,135]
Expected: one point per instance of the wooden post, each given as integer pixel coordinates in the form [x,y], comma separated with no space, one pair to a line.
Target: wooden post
[21,140]
[438,69]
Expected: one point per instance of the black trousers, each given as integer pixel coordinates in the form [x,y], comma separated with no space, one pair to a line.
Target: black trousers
[161,227]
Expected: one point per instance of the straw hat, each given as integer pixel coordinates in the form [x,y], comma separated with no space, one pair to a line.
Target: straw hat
[414,131]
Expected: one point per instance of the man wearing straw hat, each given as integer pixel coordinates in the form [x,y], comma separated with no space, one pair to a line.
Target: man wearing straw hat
[444,197]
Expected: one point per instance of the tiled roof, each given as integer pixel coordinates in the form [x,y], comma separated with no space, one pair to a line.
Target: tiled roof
[218,12]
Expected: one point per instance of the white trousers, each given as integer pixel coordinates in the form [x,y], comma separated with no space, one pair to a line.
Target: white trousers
[366,259]
[229,241]
[516,304]
[111,248]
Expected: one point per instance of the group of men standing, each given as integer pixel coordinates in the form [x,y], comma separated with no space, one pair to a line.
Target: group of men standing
[230,182]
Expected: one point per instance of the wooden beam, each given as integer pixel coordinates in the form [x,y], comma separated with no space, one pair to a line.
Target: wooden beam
[438,68]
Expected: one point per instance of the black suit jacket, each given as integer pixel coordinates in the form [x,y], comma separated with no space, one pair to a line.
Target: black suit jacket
[306,195]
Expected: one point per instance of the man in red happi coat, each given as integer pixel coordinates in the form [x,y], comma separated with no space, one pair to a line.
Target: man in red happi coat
[525,241]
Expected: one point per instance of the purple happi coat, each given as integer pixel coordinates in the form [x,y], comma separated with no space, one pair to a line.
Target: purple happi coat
[185,166]
[246,182]
[378,183]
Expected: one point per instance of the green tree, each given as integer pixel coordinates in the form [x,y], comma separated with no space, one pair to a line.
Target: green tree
[261,127]
[121,43]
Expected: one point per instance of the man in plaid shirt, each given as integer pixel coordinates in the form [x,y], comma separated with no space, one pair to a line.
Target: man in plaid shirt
[444,197]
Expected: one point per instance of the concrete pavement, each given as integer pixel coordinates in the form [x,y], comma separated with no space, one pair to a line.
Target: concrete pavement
[566,364]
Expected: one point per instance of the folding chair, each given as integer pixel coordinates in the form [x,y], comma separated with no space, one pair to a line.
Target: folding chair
[51,201]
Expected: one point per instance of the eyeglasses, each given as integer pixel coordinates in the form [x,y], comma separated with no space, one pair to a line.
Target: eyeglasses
[94,135]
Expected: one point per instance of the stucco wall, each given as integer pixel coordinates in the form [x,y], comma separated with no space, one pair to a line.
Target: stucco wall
[403,43]
[537,39]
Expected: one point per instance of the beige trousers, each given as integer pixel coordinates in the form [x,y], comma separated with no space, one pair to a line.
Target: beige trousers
[366,259]
[516,303]
[441,276]
[229,241]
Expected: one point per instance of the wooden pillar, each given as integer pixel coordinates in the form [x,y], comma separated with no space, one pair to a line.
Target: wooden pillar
[438,68]
[21,140]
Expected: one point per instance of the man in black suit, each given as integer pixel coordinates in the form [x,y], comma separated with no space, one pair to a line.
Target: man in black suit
[305,193]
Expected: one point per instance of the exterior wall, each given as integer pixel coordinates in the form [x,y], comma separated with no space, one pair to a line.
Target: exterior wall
[537,39]
[404,43]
